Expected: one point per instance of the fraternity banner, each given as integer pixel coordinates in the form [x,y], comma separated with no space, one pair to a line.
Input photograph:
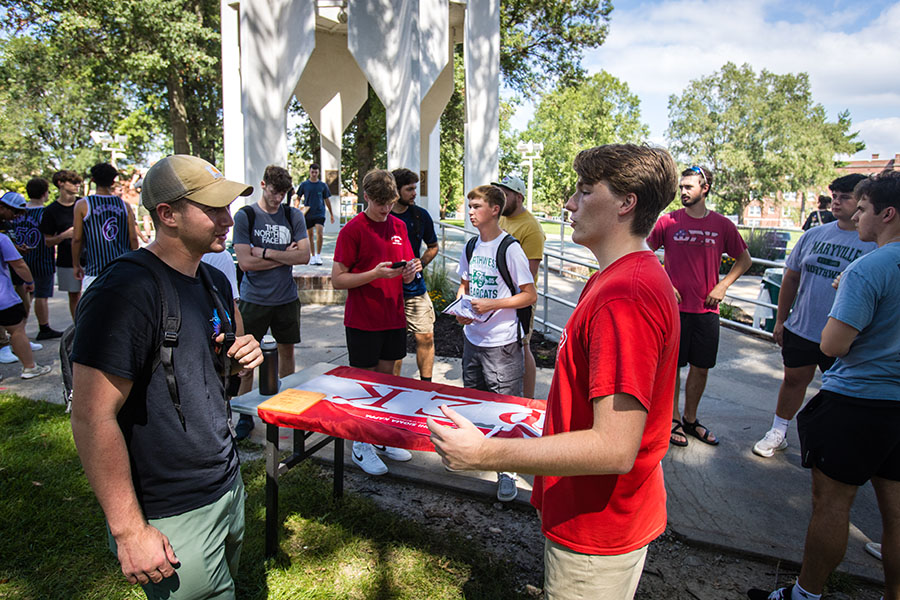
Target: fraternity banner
[364,406]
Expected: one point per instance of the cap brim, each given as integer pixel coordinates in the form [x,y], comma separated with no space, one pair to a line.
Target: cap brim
[220,193]
[498,184]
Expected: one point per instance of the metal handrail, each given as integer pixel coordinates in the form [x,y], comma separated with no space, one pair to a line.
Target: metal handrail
[545,297]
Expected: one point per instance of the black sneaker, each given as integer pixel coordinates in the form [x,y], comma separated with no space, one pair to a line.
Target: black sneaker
[243,428]
[48,334]
[784,593]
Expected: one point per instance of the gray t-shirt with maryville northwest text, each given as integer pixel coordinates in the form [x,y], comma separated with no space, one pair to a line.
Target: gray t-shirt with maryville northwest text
[820,255]
[274,286]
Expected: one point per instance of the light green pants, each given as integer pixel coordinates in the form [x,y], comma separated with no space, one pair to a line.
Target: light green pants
[207,542]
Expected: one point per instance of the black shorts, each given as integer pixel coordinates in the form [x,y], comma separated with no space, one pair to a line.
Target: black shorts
[699,339]
[313,221]
[850,439]
[798,352]
[366,348]
[283,319]
[13,315]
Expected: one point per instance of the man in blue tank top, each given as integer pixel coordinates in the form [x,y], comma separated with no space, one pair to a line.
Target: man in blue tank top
[103,227]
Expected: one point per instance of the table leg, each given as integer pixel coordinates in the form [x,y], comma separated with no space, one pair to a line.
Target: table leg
[271,490]
[338,467]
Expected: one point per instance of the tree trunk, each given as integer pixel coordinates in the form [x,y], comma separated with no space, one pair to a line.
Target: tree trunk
[365,144]
[178,114]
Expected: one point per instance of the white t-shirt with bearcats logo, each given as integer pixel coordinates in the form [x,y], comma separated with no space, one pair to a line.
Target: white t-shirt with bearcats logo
[485,282]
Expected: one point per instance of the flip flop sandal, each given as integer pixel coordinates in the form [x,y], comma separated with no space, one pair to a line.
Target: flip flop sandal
[678,431]
[691,429]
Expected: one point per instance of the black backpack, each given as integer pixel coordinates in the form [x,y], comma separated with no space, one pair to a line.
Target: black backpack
[522,314]
[170,325]
[251,221]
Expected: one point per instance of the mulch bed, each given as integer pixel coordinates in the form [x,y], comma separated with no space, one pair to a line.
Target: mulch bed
[448,341]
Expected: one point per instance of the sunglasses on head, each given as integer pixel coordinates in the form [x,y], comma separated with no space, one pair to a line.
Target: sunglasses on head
[700,172]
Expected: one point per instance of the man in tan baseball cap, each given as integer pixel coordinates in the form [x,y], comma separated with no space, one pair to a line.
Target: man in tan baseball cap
[182,176]
[184,506]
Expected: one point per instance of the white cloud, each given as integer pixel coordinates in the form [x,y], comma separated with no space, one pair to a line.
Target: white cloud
[881,137]
[658,47]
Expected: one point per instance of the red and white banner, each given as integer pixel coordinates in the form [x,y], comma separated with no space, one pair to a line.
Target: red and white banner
[365,406]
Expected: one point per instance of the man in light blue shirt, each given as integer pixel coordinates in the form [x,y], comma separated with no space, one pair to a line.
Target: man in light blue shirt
[820,255]
[850,431]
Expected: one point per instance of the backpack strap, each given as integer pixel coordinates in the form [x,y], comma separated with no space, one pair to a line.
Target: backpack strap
[203,270]
[170,320]
[523,315]
[470,248]
[247,209]
[505,243]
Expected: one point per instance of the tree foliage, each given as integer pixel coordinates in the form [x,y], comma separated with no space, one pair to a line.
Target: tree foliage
[542,41]
[452,141]
[597,110]
[165,52]
[759,134]
[52,101]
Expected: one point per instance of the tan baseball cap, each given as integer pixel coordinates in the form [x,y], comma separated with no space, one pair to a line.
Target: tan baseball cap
[182,176]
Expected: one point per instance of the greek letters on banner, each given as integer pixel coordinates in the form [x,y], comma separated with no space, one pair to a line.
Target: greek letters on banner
[355,404]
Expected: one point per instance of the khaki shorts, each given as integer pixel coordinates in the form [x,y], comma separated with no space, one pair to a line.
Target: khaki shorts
[419,314]
[570,575]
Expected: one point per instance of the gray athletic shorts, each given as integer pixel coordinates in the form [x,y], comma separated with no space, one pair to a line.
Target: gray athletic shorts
[499,370]
[65,280]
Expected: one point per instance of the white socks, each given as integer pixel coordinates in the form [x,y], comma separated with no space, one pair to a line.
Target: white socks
[799,593]
[780,425]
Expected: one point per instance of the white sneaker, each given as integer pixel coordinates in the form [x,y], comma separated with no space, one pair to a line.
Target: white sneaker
[874,549]
[319,259]
[506,487]
[35,371]
[398,454]
[36,347]
[6,355]
[773,440]
[364,456]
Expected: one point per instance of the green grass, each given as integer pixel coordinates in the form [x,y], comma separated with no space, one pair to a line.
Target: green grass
[55,538]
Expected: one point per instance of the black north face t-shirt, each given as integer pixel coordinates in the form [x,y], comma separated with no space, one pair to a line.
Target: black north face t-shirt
[174,470]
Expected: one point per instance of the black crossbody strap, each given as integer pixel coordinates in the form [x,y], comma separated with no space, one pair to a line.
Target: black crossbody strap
[170,320]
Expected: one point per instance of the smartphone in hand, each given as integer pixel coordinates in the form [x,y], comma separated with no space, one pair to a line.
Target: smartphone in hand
[399,264]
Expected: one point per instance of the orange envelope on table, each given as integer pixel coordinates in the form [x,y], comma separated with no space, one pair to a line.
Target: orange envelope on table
[292,401]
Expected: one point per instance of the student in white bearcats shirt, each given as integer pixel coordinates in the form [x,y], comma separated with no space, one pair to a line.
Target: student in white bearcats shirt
[493,356]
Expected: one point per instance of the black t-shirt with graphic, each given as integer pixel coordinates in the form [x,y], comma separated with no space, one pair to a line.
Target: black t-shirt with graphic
[174,470]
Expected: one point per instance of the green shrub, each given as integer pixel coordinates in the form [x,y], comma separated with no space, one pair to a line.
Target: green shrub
[441,290]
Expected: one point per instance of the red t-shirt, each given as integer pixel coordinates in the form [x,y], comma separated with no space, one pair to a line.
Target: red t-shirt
[621,338]
[361,245]
[694,249]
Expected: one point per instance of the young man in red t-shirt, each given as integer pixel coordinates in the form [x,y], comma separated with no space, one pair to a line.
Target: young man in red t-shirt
[367,263]
[600,487]
[694,239]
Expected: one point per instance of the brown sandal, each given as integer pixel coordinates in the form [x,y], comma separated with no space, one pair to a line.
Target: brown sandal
[677,430]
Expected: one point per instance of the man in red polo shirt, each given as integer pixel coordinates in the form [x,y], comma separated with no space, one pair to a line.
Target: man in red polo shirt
[600,485]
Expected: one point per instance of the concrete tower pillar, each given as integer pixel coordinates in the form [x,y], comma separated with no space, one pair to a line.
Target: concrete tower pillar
[481,49]
[277,39]
[332,89]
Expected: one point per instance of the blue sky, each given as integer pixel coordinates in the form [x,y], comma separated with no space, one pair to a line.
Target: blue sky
[849,49]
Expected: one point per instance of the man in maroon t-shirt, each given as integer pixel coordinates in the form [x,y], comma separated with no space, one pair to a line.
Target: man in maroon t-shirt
[694,238]
[600,488]
[371,257]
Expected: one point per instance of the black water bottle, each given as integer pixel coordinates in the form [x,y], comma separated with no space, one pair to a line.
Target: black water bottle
[268,372]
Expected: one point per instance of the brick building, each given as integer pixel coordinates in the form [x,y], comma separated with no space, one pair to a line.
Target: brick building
[789,211]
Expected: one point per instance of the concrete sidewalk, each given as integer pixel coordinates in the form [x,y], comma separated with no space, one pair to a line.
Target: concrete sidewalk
[724,495]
